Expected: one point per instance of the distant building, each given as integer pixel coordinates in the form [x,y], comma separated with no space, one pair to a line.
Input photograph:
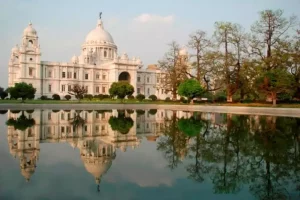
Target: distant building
[97,67]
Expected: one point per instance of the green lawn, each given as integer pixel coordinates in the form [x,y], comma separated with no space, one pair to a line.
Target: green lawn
[143,102]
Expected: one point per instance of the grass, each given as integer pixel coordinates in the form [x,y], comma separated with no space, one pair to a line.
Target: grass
[128,101]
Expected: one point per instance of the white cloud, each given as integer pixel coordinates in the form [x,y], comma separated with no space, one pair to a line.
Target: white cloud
[146,18]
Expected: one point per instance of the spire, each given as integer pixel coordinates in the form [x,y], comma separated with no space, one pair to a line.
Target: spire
[30,23]
[100,24]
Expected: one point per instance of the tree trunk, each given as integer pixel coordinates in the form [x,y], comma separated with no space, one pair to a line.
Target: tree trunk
[242,94]
[229,98]
[174,97]
[274,98]
[192,101]
[269,98]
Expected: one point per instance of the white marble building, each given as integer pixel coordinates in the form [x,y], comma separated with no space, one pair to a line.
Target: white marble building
[97,67]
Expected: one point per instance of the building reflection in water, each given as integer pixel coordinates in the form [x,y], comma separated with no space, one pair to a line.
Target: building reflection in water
[232,150]
[89,131]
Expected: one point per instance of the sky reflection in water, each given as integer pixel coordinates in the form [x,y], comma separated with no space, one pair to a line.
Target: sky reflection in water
[152,154]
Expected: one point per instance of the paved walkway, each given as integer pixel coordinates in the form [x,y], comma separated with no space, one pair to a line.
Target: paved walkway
[288,112]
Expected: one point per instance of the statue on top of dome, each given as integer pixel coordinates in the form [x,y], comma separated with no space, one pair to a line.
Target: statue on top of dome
[100,15]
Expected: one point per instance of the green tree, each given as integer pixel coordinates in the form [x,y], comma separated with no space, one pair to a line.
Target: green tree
[274,82]
[3,93]
[190,88]
[22,90]
[121,89]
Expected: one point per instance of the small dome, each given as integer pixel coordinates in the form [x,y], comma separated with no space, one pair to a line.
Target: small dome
[74,59]
[124,56]
[15,49]
[99,35]
[29,31]
[183,52]
[139,61]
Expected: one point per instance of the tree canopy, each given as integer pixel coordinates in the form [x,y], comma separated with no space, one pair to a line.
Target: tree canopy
[121,89]
[22,90]
[190,88]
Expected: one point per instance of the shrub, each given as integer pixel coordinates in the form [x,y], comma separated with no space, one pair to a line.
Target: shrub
[183,100]
[56,97]
[99,96]
[106,96]
[140,97]
[153,97]
[168,99]
[220,96]
[88,96]
[130,97]
[43,97]
[247,101]
[68,97]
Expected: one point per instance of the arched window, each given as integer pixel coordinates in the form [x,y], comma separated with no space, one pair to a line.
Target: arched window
[30,43]
[105,54]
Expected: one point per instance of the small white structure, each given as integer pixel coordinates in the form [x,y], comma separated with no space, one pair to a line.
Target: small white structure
[97,67]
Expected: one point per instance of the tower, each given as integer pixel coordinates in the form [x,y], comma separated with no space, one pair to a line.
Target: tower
[24,64]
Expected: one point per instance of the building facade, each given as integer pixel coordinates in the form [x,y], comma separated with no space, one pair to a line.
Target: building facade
[97,67]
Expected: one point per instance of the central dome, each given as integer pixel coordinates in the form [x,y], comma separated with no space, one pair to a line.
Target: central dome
[99,35]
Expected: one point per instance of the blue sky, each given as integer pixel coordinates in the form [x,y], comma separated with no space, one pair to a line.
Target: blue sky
[140,28]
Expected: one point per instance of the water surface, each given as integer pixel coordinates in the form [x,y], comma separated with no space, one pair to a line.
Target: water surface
[147,154]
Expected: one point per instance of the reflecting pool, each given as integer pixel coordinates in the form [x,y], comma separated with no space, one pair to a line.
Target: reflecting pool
[147,154]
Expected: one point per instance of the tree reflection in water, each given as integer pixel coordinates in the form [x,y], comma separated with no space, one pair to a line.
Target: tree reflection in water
[121,123]
[259,151]
[77,121]
[21,123]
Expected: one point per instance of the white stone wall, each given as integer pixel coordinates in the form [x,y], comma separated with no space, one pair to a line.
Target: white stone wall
[25,65]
